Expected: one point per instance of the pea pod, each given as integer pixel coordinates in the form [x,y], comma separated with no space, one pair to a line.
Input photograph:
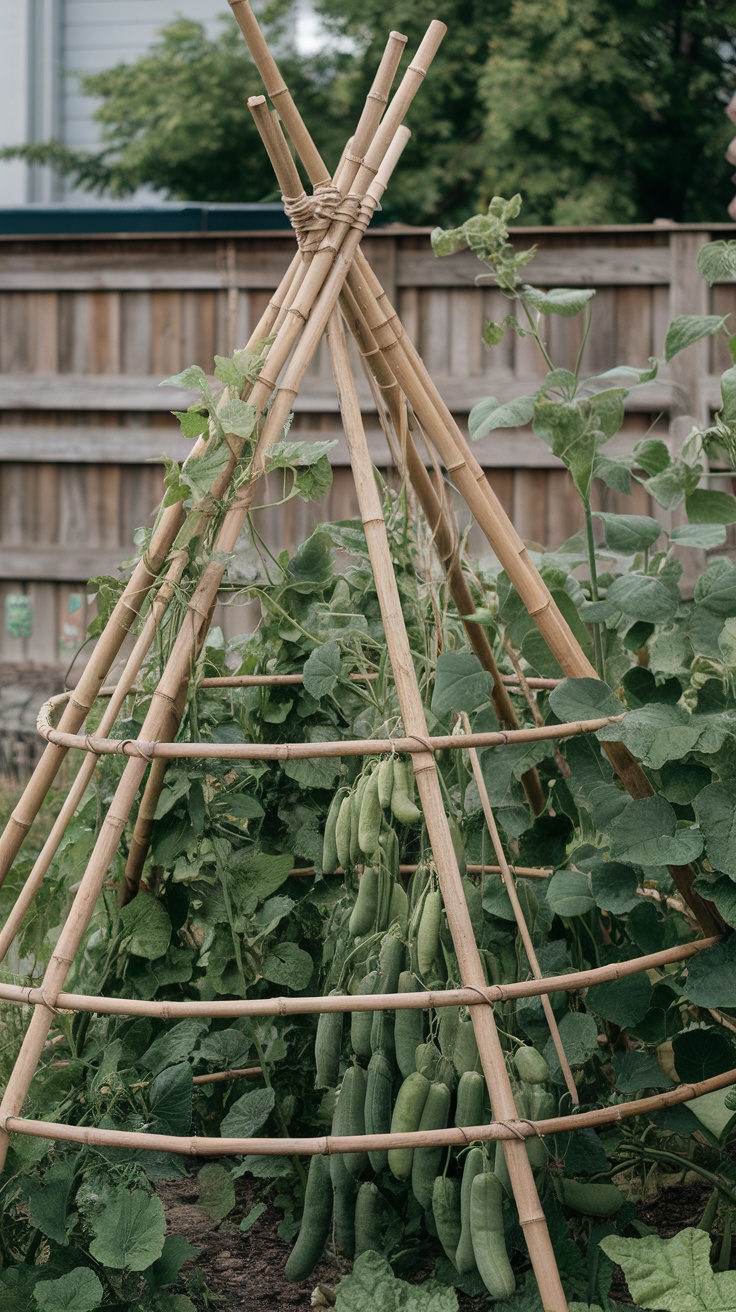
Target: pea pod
[378,1105]
[403,807]
[407,1114]
[426,1161]
[471,1093]
[369,1219]
[371,815]
[591,1199]
[315,1226]
[408,1026]
[361,1021]
[465,1053]
[465,1257]
[428,937]
[356,803]
[487,1234]
[342,832]
[366,903]
[327,1049]
[385,781]
[531,1066]
[446,1212]
[344,1188]
[349,1118]
[397,907]
[330,857]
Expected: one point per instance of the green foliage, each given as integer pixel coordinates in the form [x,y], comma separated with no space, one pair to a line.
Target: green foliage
[673,1275]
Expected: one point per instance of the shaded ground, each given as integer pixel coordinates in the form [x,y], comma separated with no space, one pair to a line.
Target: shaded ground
[245,1272]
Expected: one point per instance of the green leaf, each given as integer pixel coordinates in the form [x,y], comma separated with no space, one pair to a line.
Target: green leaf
[49,1199]
[717,261]
[313,482]
[225,1049]
[714,1112]
[257,877]
[673,1275]
[558,300]
[461,683]
[711,976]
[78,1291]
[296,455]
[673,485]
[615,887]
[572,436]
[579,1034]
[722,893]
[321,670]
[492,333]
[569,894]
[288,965]
[634,1071]
[628,534]
[372,1285]
[248,1114]
[191,378]
[715,809]
[490,414]
[646,833]
[170,1100]
[614,472]
[193,422]
[715,590]
[727,413]
[706,507]
[128,1231]
[687,329]
[644,597]
[656,733]
[251,1217]
[216,1190]
[584,699]
[166,1268]
[173,1046]
[698,535]
[702,1052]
[652,455]
[238,418]
[146,927]
[623,1002]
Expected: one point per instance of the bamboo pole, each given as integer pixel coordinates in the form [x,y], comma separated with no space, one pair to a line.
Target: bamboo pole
[313,304]
[525,872]
[509,1131]
[432,999]
[132,668]
[152,748]
[439,425]
[223,1077]
[531,1216]
[392,411]
[522,926]
[274,680]
[117,628]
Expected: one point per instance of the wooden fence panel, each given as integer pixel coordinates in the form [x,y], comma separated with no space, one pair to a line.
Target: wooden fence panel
[89,326]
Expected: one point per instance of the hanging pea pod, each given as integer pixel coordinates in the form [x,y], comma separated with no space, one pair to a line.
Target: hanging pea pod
[471,1094]
[327,1048]
[342,832]
[428,935]
[408,1026]
[356,803]
[370,817]
[365,910]
[465,1257]
[403,807]
[487,1234]
[369,1219]
[446,1212]
[407,1114]
[361,1021]
[330,857]
[378,1105]
[426,1161]
[315,1226]
[385,781]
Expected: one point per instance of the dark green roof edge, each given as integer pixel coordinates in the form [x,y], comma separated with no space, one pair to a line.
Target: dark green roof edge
[67,220]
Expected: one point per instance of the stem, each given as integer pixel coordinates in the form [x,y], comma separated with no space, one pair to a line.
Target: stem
[277,1105]
[685,1164]
[597,638]
[535,335]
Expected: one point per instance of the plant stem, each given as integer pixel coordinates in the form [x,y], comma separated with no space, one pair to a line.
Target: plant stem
[597,638]
[661,1155]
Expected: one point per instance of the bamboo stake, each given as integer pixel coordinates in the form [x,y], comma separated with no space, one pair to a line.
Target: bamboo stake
[116,630]
[434,999]
[509,1131]
[152,748]
[318,293]
[526,938]
[274,680]
[222,1077]
[526,872]
[408,367]
[41,865]
[531,1216]
[392,411]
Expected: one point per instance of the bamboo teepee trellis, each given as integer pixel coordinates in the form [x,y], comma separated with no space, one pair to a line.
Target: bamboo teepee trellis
[328,284]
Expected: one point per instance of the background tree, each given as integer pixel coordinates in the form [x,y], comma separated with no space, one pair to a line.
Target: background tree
[611,111]
[597,110]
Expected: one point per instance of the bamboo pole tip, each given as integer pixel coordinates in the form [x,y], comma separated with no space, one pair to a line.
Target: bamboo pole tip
[254,102]
[393,36]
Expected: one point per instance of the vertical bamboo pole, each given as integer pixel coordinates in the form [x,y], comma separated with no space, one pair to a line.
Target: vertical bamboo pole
[523,928]
[531,1215]
[161,716]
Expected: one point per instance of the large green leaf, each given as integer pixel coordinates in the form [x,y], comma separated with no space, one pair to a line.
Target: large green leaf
[646,834]
[717,261]
[687,329]
[490,414]
[146,927]
[174,1045]
[656,733]
[644,597]
[321,669]
[584,699]
[716,588]
[372,1285]
[288,965]
[461,683]
[49,1199]
[248,1114]
[634,1071]
[673,1275]
[715,808]
[216,1190]
[706,536]
[128,1231]
[706,507]
[702,1052]
[623,1002]
[558,300]
[170,1100]
[711,976]
[572,436]
[615,887]
[628,534]
[569,894]
[79,1290]
[579,1034]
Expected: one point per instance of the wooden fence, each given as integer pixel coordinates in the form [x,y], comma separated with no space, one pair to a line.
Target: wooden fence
[88,327]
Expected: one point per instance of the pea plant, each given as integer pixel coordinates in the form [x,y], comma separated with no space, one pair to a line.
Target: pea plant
[222,913]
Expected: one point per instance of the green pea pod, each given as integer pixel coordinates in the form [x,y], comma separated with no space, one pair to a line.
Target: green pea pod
[487,1234]
[371,815]
[342,832]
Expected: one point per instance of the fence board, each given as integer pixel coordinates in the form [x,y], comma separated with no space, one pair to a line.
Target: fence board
[89,326]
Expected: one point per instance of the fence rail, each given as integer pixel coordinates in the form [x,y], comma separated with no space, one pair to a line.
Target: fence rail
[90,325]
